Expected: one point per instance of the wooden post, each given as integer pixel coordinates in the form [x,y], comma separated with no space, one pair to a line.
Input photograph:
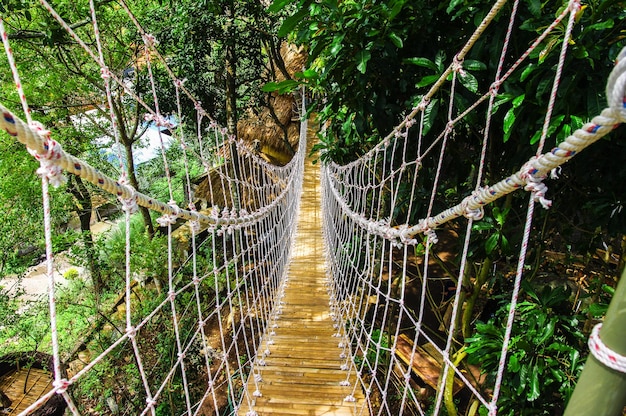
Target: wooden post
[601,391]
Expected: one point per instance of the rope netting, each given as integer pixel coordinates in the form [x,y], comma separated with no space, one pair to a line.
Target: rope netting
[220,299]
[219,294]
[377,249]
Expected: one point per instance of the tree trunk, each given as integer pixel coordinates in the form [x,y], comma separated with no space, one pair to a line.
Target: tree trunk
[130,170]
[84,207]
[231,95]
[231,68]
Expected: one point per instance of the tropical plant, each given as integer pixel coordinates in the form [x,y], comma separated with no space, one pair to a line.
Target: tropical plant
[543,355]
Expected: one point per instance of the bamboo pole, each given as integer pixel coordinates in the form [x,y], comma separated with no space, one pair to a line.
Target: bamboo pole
[601,391]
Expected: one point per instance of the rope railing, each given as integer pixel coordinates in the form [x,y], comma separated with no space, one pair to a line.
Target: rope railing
[372,251]
[370,260]
[52,151]
[215,311]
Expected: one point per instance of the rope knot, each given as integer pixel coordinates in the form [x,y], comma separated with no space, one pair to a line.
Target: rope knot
[406,237]
[158,120]
[494,88]
[128,204]
[48,161]
[131,331]
[475,214]
[423,104]
[61,386]
[457,66]
[105,73]
[432,235]
[194,224]
[150,40]
[169,219]
[534,183]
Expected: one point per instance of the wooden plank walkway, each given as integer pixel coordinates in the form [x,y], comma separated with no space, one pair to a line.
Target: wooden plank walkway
[303,373]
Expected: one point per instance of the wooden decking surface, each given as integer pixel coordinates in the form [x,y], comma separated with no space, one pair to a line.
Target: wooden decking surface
[302,374]
[12,384]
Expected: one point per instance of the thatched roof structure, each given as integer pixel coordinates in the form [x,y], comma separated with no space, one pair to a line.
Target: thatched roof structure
[55,406]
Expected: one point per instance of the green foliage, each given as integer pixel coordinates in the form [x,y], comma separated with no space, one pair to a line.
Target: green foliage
[491,230]
[378,352]
[543,357]
[193,34]
[27,323]
[71,274]
[154,181]
[149,259]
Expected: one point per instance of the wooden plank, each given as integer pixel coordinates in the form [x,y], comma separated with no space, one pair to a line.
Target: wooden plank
[302,373]
[424,364]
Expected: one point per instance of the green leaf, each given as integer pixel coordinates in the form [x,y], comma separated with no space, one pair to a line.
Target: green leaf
[291,22]
[307,74]
[535,137]
[527,71]
[430,113]
[397,8]
[423,62]
[469,81]
[439,58]
[282,87]
[473,65]
[362,57]
[337,45]
[548,331]
[517,101]
[278,5]
[504,244]
[598,309]
[607,24]
[498,215]
[555,123]
[510,116]
[501,99]
[482,226]
[608,289]
[397,40]
[492,243]
[535,7]
[514,364]
[453,4]
[535,388]
[427,80]
[509,120]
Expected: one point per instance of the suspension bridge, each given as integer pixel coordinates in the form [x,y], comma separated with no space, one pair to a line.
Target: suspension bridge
[310,311]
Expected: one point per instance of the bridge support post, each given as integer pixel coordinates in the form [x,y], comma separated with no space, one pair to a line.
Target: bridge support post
[601,391]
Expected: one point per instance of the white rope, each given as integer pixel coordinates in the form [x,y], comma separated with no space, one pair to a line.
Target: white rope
[603,353]
[250,240]
[249,247]
[359,199]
